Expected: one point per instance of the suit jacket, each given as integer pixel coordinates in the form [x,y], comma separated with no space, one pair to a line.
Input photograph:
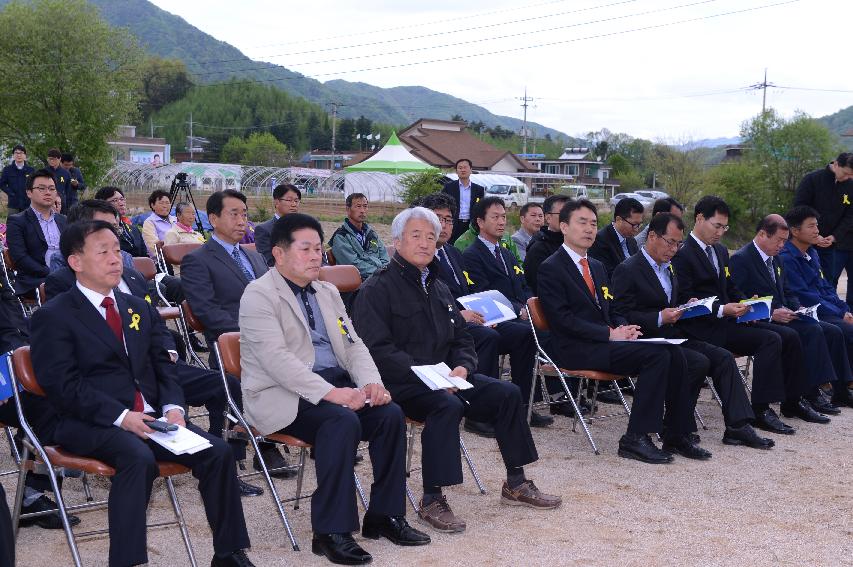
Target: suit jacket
[27,247]
[87,374]
[460,288]
[62,178]
[213,284]
[607,250]
[276,353]
[752,277]
[486,273]
[477,193]
[639,297]
[263,237]
[697,278]
[580,325]
[131,241]
[806,282]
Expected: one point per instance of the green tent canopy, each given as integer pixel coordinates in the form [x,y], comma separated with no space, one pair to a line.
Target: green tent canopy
[392,158]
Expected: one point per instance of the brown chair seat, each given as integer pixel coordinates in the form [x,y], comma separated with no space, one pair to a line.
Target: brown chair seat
[588,374]
[61,458]
[277,437]
[169,313]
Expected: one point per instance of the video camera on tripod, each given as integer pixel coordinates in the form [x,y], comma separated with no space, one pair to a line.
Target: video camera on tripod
[181,187]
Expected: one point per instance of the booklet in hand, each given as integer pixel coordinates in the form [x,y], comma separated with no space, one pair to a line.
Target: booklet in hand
[437,377]
[492,305]
[180,442]
[697,308]
[808,313]
[5,379]
[759,308]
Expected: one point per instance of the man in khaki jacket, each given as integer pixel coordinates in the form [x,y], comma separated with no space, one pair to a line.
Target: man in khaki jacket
[307,374]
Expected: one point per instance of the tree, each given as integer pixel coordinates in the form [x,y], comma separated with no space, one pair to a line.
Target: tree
[744,188]
[163,81]
[680,172]
[363,128]
[67,80]
[457,118]
[346,135]
[261,148]
[420,184]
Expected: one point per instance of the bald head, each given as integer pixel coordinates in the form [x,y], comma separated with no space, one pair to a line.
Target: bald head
[771,234]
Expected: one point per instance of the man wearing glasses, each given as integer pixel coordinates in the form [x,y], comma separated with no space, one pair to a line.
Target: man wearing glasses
[702,269]
[286,199]
[129,238]
[645,294]
[33,235]
[615,242]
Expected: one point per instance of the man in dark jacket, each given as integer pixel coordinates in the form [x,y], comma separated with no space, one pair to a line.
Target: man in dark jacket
[62,178]
[77,182]
[545,242]
[407,317]
[13,180]
[466,194]
[130,238]
[615,242]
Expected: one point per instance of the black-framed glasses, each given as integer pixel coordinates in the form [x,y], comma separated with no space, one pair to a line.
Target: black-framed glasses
[718,226]
[634,225]
[677,244]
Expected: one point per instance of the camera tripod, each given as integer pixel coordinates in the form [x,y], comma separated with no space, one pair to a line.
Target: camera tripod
[181,189]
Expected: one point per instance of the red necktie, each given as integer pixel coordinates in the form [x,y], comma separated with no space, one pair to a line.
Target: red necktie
[587,276]
[114,322]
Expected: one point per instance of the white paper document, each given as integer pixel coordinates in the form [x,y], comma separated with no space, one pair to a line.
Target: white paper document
[658,341]
[180,442]
[808,312]
[492,305]
[437,377]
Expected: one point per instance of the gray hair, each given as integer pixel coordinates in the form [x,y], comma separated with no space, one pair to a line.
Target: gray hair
[398,225]
[179,208]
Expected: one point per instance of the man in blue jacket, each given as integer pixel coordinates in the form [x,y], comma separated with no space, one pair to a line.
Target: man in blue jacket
[807,282]
[13,180]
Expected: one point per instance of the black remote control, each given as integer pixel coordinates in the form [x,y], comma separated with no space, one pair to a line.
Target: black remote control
[161,426]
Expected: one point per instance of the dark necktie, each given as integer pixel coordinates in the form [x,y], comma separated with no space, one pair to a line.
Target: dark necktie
[303,294]
[770,268]
[114,323]
[499,259]
[235,253]
[710,253]
[445,259]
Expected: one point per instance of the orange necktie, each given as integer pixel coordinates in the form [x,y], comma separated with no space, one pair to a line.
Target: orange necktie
[587,276]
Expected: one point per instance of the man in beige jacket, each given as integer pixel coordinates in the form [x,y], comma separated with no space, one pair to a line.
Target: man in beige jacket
[307,374]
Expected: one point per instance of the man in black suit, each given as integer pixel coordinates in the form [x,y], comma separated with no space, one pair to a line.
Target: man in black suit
[101,358]
[575,295]
[7,537]
[33,235]
[615,242]
[545,242]
[214,277]
[466,194]
[492,267]
[645,290]
[286,199]
[757,271]
[702,267]
[62,178]
[130,238]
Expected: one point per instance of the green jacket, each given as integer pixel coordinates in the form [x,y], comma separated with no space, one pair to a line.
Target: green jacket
[348,250]
[468,237]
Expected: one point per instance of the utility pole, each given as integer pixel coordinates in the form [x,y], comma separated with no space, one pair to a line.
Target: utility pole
[192,140]
[334,106]
[151,118]
[763,85]
[524,104]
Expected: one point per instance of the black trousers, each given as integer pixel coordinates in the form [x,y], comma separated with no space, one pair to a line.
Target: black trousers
[492,401]
[514,338]
[135,462]
[824,350]
[846,331]
[42,419]
[7,539]
[705,359]
[796,383]
[335,432]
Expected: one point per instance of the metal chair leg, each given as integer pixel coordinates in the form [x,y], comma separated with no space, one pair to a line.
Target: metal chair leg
[714,391]
[471,466]
[274,494]
[176,506]
[15,453]
[578,415]
[87,490]
[299,476]
[410,449]
[411,498]
[19,492]
[360,491]
[699,418]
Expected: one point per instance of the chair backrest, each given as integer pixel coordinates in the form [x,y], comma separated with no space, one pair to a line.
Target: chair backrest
[7,259]
[537,317]
[23,366]
[145,266]
[193,321]
[229,350]
[250,246]
[344,277]
[330,258]
[174,253]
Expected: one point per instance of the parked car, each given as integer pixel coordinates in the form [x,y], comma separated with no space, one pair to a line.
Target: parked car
[645,201]
[652,194]
[514,196]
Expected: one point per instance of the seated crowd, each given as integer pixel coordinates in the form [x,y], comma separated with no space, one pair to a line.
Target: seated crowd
[334,374]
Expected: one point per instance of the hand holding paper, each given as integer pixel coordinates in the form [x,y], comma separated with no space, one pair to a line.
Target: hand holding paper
[756,309]
[697,307]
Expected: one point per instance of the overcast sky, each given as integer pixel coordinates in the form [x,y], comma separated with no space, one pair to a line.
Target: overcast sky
[601,70]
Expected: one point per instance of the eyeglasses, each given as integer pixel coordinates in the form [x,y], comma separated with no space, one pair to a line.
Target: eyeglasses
[445,220]
[44,188]
[677,244]
[718,226]
[634,226]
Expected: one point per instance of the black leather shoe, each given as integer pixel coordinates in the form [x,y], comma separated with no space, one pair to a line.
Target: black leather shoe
[694,438]
[394,528]
[247,489]
[683,446]
[821,405]
[769,421]
[48,521]
[608,397]
[803,410]
[566,410]
[275,460]
[340,548]
[480,428]
[236,559]
[539,420]
[746,435]
[843,398]
[641,448]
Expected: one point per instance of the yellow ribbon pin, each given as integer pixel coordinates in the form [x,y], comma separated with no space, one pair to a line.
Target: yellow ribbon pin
[845,200]
[467,278]
[671,270]
[518,270]
[134,321]
[606,291]
[341,326]
[147,298]
[778,271]
[728,274]
[821,274]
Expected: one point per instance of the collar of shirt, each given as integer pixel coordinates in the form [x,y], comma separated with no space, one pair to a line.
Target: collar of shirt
[465,187]
[701,244]
[490,245]
[760,252]
[41,218]
[123,287]
[276,216]
[618,235]
[229,248]
[655,266]
[362,232]
[20,167]
[96,298]
[424,276]
[297,290]
[576,258]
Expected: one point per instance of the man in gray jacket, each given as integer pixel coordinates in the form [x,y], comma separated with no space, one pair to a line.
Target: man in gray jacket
[356,243]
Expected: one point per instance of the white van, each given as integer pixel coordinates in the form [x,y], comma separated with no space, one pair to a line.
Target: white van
[514,193]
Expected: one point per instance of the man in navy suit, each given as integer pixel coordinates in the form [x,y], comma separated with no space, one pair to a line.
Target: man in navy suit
[757,271]
[466,194]
[33,235]
[214,277]
[575,296]
[286,199]
[129,236]
[645,287]
[493,267]
[615,242]
[702,266]
[100,356]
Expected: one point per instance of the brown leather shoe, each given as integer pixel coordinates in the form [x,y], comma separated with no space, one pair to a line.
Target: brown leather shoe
[440,517]
[526,494]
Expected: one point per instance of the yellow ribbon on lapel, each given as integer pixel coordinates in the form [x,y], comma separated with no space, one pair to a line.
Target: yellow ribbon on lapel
[147,298]
[821,274]
[778,271]
[468,278]
[606,292]
[671,270]
[728,274]
[518,270]
[134,321]
[477,200]
[845,200]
